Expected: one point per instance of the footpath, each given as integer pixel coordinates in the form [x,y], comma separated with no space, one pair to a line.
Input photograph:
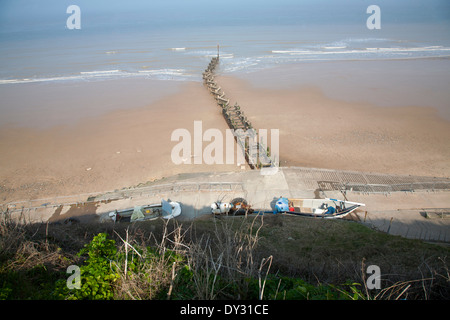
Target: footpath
[413,207]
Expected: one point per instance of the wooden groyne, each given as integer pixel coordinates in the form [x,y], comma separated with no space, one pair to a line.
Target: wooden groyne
[256,155]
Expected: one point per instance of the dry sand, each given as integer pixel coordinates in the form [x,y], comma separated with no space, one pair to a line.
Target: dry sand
[316,131]
[127,147]
[108,152]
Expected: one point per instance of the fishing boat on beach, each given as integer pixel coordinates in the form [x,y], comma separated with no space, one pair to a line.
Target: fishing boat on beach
[316,208]
[165,210]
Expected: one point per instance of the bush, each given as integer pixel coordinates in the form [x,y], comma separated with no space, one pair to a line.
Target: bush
[97,274]
[109,273]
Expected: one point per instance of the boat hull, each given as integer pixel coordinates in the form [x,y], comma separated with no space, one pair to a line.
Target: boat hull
[316,208]
[165,210]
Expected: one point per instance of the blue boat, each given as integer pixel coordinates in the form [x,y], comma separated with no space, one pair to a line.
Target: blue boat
[316,208]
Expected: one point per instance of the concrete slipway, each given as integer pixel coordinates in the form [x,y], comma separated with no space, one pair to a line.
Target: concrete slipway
[410,206]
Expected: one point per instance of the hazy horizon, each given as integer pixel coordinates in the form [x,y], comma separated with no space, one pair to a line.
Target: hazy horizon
[37,16]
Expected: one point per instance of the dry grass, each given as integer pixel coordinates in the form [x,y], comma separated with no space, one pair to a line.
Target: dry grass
[227,250]
[155,271]
[23,248]
[334,251]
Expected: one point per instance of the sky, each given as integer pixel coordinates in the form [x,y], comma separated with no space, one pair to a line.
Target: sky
[35,15]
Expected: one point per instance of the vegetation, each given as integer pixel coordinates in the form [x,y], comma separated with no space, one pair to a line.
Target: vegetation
[263,257]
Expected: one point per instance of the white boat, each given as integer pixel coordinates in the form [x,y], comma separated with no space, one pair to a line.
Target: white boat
[317,208]
[165,210]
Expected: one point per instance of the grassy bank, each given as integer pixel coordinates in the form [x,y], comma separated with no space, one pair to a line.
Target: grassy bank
[270,257]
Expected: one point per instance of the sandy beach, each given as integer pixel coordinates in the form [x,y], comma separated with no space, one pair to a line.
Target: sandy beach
[118,149]
[317,131]
[131,145]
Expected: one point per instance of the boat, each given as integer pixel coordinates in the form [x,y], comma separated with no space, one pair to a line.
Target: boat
[317,208]
[165,210]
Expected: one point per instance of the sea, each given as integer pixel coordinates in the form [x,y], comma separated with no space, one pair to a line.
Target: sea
[175,40]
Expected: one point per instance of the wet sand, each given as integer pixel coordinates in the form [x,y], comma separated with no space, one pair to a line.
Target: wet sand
[317,131]
[118,149]
[132,145]
[44,105]
[385,83]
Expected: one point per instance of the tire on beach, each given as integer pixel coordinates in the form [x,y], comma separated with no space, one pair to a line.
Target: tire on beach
[240,206]
[239,201]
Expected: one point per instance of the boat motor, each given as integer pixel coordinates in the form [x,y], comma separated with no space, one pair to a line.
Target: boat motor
[220,207]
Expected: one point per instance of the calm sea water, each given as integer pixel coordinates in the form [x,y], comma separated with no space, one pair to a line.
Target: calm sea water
[174,40]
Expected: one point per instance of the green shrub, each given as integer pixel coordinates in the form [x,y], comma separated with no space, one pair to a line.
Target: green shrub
[97,273]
